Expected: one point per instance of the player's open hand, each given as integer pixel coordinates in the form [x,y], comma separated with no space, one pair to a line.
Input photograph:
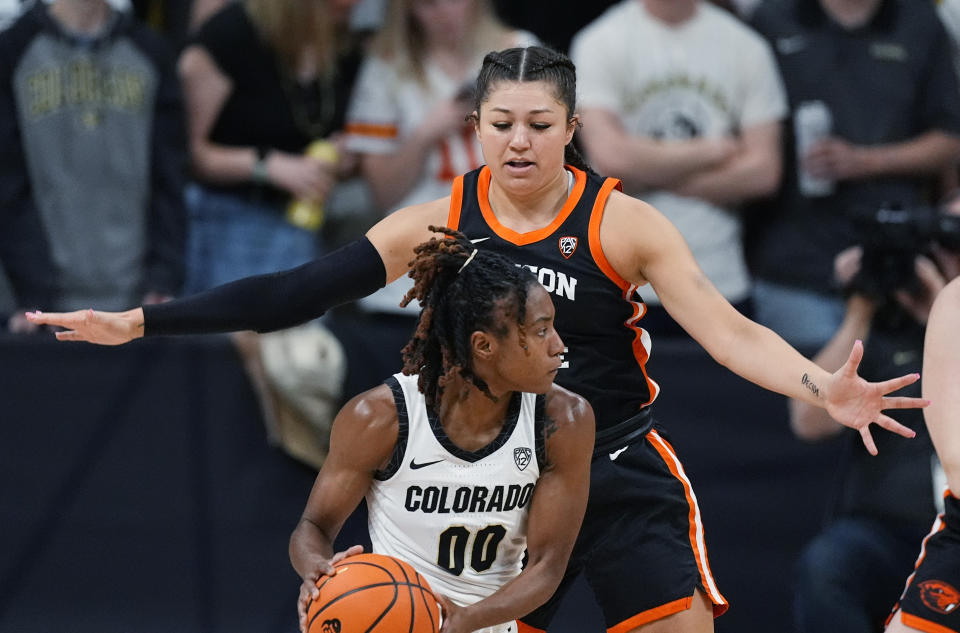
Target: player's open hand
[855,402]
[92,326]
[320,568]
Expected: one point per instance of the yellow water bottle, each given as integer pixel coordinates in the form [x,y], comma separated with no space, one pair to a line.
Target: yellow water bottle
[305,213]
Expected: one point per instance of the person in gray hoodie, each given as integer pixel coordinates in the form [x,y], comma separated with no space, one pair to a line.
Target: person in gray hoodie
[93,159]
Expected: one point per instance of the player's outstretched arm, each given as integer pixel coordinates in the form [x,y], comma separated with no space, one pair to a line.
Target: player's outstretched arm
[261,302]
[273,301]
[556,512]
[361,441]
[656,253]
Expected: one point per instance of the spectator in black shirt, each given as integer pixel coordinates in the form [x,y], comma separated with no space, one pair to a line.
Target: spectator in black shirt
[883,71]
[263,80]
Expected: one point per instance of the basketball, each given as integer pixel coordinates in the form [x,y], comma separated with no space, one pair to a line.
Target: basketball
[373,593]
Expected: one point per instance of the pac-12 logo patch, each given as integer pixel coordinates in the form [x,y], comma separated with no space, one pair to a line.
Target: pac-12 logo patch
[939,596]
[521,457]
[567,246]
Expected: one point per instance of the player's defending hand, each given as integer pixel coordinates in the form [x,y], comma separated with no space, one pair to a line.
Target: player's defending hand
[92,326]
[321,567]
[855,402]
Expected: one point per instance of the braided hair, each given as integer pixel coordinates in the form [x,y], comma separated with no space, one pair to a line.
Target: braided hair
[533,63]
[461,290]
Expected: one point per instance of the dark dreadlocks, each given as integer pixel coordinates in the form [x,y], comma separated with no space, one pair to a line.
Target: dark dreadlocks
[461,290]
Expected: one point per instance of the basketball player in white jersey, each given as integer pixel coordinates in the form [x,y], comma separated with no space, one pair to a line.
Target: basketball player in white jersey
[463,465]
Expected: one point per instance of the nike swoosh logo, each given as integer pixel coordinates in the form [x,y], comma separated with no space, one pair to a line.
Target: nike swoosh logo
[614,455]
[479,239]
[414,465]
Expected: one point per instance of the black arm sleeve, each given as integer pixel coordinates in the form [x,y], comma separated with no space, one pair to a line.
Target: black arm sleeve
[274,301]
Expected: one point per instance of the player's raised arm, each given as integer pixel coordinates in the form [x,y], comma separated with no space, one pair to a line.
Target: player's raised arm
[556,512]
[658,254]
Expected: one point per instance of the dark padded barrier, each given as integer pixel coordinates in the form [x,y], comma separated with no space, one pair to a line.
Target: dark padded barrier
[138,492]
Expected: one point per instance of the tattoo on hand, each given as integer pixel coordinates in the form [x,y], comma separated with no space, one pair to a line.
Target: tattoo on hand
[140,325]
[809,384]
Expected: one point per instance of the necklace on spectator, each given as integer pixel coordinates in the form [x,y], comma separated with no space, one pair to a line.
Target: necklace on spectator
[313,105]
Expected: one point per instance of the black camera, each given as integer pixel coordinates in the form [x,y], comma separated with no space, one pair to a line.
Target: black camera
[892,237]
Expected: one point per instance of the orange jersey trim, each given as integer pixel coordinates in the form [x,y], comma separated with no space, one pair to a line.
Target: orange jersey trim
[596,217]
[650,615]
[920,624]
[640,337]
[522,239]
[938,525]
[456,203]
[663,447]
[523,627]
[372,129]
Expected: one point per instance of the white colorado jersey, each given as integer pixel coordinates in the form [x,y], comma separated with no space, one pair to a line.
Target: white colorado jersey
[459,517]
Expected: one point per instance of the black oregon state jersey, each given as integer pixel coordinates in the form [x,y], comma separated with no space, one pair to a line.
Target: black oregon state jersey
[597,311]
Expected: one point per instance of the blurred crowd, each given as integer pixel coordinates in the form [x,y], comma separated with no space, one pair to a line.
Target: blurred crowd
[807,150]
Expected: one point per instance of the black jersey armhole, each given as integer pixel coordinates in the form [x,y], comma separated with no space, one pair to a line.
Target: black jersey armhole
[403,430]
[539,424]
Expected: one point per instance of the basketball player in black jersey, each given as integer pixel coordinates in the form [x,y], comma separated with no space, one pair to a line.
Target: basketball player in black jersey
[641,545]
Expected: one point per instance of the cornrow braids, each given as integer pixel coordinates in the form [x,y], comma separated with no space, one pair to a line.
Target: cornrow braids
[554,62]
[461,290]
[533,63]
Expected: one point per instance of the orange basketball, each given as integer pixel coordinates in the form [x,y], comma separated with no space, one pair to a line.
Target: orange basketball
[373,593]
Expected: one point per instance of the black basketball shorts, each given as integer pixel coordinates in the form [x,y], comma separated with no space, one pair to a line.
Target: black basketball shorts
[641,547]
[931,600]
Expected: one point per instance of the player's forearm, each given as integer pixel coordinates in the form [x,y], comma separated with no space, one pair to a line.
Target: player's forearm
[307,543]
[533,587]
[274,301]
[761,356]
